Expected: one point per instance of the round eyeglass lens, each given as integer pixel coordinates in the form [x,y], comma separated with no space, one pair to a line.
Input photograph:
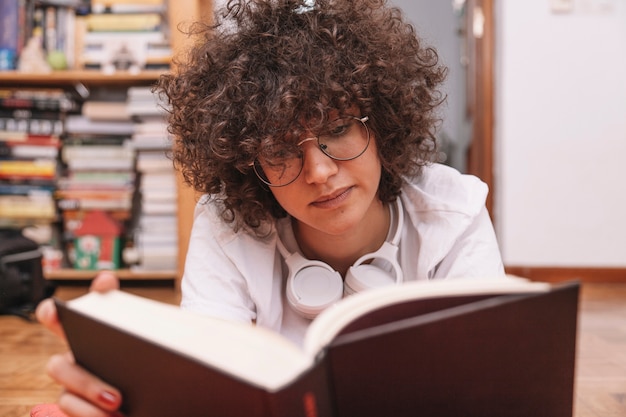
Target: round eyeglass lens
[343,139]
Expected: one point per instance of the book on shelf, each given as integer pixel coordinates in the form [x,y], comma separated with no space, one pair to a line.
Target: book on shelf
[97,179]
[39,98]
[35,187]
[97,138]
[143,103]
[11,33]
[126,8]
[35,122]
[470,347]
[155,207]
[80,124]
[157,249]
[120,154]
[28,169]
[24,138]
[158,56]
[17,150]
[103,199]
[103,164]
[154,161]
[156,181]
[34,206]
[101,48]
[108,3]
[105,110]
[124,22]
[162,223]
[158,188]
[49,26]
[156,241]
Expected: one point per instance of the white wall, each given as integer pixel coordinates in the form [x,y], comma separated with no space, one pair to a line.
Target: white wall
[560,136]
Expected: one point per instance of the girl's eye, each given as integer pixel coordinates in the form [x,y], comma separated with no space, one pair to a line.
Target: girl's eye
[337,129]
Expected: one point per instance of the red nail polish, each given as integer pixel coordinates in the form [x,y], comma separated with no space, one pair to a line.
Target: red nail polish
[108,398]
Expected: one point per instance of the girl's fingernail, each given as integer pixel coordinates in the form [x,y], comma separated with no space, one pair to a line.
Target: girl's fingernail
[108,398]
[45,310]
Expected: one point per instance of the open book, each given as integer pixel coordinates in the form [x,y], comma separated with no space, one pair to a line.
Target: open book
[458,347]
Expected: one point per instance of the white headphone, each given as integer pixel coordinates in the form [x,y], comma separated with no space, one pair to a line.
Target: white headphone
[314,285]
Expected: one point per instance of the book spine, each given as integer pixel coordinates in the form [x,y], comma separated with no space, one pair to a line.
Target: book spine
[10,138]
[50,29]
[34,103]
[25,169]
[124,22]
[28,151]
[9,34]
[24,188]
[31,122]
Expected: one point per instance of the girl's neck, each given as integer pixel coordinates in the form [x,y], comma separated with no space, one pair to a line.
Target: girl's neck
[341,251]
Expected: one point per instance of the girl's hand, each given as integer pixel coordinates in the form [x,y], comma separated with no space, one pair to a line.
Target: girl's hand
[46,312]
[85,395]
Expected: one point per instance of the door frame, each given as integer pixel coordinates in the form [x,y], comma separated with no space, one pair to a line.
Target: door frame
[480,105]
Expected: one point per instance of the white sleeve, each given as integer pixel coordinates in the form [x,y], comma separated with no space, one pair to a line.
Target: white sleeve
[212,283]
[475,254]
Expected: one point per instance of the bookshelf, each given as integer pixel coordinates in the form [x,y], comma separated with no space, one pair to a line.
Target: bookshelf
[179,11]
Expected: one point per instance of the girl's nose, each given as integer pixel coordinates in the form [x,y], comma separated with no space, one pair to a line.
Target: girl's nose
[317,166]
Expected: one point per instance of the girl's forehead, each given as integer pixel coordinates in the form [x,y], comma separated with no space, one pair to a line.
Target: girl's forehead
[307,125]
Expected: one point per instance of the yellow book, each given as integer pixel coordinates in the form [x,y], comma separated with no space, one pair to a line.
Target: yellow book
[40,168]
[123,22]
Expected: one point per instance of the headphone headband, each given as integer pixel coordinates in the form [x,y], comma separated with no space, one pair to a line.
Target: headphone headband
[313,285]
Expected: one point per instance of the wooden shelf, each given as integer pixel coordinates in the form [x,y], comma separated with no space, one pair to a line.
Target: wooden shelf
[91,77]
[123,274]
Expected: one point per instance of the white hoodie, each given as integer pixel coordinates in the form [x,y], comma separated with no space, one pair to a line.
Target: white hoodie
[447,233]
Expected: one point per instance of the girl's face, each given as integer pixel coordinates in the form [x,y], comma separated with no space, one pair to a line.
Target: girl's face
[333,197]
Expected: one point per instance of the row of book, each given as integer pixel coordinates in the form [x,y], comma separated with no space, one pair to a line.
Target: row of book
[31,125]
[123,142]
[102,34]
[140,153]
[110,162]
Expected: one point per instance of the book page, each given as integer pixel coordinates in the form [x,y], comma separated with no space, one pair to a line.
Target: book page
[331,321]
[260,356]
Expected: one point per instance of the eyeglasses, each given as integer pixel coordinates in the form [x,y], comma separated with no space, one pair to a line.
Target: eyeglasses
[343,139]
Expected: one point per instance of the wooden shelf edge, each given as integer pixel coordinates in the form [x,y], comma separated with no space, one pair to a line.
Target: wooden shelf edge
[73,76]
[123,274]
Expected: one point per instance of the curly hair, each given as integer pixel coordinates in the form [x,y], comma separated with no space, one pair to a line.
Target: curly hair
[264,66]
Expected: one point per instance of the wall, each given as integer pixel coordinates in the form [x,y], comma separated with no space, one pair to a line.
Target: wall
[560,134]
[438,23]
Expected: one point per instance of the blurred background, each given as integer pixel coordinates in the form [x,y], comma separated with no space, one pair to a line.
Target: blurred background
[558,131]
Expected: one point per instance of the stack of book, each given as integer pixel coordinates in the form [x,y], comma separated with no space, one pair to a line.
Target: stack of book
[126,35]
[98,169]
[156,234]
[99,176]
[31,125]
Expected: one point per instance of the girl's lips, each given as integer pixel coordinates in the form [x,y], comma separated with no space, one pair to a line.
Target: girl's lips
[332,200]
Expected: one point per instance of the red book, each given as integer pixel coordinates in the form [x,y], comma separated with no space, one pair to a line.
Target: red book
[502,347]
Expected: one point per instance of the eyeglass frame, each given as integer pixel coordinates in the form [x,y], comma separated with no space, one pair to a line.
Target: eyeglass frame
[362,119]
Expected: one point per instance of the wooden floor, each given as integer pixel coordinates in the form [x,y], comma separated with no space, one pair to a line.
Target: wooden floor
[601,364]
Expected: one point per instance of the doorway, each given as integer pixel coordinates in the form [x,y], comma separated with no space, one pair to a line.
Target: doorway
[462,31]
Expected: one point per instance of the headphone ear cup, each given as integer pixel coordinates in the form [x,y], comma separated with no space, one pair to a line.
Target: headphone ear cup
[313,288]
[364,277]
